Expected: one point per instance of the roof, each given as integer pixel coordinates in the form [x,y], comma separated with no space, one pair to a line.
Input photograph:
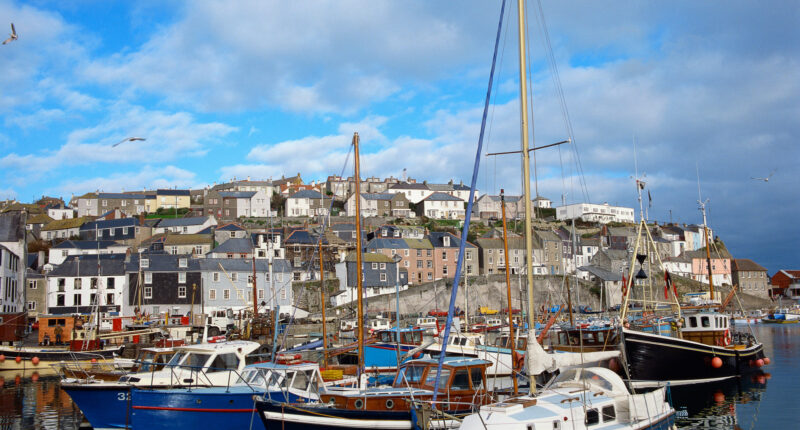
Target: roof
[182,222]
[87,265]
[419,243]
[343,226]
[122,196]
[378,196]
[39,219]
[408,186]
[163,263]
[187,239]
[110,223]
[237,194]
[744,264]
[387,243]
[61,224]
[173,192]
[236,245]
[601,273]
[302,237]
[514,242]
[87,244]
[243,265]
[230,227]
[437,240]
[370,257]
[306,194]
[442,197]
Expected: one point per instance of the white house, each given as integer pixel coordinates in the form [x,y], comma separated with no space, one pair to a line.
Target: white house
[67,248]
[604,213]
[192,225]
[61,213]
[13,255]
[441,206]
[542,203]
[75,285]
[415,192]
[306,203]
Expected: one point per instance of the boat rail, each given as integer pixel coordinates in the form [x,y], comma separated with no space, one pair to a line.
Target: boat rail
[76,368]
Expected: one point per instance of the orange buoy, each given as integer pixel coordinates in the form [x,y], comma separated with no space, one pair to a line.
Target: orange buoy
[768,375]
[2,358]
[2,382]
[766,360]
[716,362]
[94,361]
[719,397]
[759,362]
[35,376]
[35,360]
[17,379]
[761,379]
[18,359]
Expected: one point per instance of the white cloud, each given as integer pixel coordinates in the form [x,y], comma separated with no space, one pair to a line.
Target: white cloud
[150,177]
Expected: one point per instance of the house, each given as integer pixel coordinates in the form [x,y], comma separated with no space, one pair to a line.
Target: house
[680,265]
[36,293]
[695,236]
[445,255]
[85,205]
[169,284]
[12,281]
[456,190]
[380,274]
[191,225]
[589,212]
[83,281]
[233,248]
[34,224]
[229,231]
[586,249]
[172,199]
[121,229]
[306,203]
[786,283]
[542,203]
[287,186]
[128,203]
[63,228]
[441,206]
[195,245]
[492,256]
[612,260]
[338,187]
[417,256]
[60,212]
[750,276]
[267,187]
[414,192]
[228,206]
[57,254]
[609,282]
[380,204]
[346,232]
[488,206]
[398,231]
[302,251]
[551,245]
[228,283]
[720,267]
[269,244]
[619,238]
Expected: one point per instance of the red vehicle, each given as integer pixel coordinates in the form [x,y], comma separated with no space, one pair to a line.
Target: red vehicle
[513,311]
[437,313]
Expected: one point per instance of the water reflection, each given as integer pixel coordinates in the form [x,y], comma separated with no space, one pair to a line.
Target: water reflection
[32,403]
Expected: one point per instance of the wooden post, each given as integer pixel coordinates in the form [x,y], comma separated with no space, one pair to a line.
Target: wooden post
[508,291]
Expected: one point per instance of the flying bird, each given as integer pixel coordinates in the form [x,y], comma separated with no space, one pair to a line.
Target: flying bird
[764,179]
[13,36]
[128,139]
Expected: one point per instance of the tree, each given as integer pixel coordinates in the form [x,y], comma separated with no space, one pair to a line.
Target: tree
[278,203]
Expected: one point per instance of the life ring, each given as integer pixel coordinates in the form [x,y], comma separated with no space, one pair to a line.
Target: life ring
[726,338]
[519,361]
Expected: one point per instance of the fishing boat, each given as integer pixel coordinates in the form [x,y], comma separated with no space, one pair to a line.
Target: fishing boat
[148,360]
[781,317]
[105,404]
[462,384]
[230,406]
[590,398]
[381,349]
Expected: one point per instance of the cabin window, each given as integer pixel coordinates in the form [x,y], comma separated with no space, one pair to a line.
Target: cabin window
[430,378]
[195,360]
[409,375]
[477,378]
[225,361]
[705,322]
[609,414]
[300,381]
[386,337]
[692,322]
[592,417]
[460,381]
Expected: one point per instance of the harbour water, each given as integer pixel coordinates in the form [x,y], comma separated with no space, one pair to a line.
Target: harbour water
[762,402]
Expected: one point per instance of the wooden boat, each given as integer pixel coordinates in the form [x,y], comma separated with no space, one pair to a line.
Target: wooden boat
[462,385]
[148,360]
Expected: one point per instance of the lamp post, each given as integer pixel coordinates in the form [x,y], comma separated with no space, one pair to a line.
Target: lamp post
[396,259]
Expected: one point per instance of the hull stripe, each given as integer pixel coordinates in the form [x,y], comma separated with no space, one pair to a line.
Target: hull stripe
[163,408]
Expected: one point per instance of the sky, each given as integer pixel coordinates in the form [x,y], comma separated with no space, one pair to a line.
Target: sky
[668,91]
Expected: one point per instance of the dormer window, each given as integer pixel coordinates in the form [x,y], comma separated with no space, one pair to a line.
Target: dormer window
[145,262]
[182,262]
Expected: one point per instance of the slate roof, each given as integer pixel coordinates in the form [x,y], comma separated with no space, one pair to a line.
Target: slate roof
[302,237]
[442,197]
[237,194]
[377,196]
[745,264]
[243,265]
[437,240]
[172,193]
[86,265]
[387,243]
[235,245]
[230,227]
[343,227]
[182,222]
[516,242]
[188,239]
[121,196]
[408,186]
[163,263]
[110,223]
[208,230]
[369,257]
[306,194]
[601,273]
[39,219]
[86,244]
[11,227]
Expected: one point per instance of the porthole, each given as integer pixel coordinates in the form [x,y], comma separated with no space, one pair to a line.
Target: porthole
[389,404]
[359,404]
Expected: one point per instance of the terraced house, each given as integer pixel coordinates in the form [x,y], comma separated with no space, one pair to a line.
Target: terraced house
[380,204]
[160,283]
[231,205]
[417,256]
[63,228]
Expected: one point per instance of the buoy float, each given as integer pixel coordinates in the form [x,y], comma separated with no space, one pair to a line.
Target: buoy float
[18,359]
[17,379]
[716,362]
[2,358]
[719,397]
[766,360]
[35,376]
[768,375]
[35,360]
[759,362]
[94,361]
[761,379]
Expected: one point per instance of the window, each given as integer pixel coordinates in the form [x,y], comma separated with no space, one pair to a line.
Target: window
[283,293]
[374,266]
[226,294]
[215,277]
[405,263]
[383,266]
[110,298]
[111,232]
[234,276]
[419,253]
[76,299]
[419,264]
[383,277]
[429,264]
[173,250]
[145,262]
[93,283]
[148,277]
[212,294]
[429,252]
[198,249]
[110,283]
[444,270]
[78,283]
[609,414]
[182,262]
[592,417]
[31,306]
[182,292]
[182,277]
[405,252]
[260,294]
[430,276]
[32,285]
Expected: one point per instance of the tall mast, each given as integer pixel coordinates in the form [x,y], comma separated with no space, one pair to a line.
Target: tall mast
[512,341]
[255,290]
[705,232]
[359,269]
[322,305]
[526,162]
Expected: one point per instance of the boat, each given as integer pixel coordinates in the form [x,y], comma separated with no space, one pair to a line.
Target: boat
[462,385]
[381,349]
[148,360]
[581,398]
[751,317]
[231,406]
[781,317]
[105,404]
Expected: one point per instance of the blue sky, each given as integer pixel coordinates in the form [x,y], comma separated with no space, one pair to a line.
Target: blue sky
[267,88]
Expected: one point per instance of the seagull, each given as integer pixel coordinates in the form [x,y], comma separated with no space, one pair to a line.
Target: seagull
[13,36]
[764,179]
[128,139]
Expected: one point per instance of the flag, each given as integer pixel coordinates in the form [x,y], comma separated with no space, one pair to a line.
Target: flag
[624,285]
[649,200]
[668,283]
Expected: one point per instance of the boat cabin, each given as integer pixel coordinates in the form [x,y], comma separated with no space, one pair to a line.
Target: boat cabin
[301,380]
[504,341]
[407,336]
[587,340]
[379,324]
[709,328]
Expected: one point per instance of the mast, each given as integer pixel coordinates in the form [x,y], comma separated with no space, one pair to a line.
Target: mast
[255,290]
[705,232]
[511,338]
[359,269]
[322,305]
[526,162]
